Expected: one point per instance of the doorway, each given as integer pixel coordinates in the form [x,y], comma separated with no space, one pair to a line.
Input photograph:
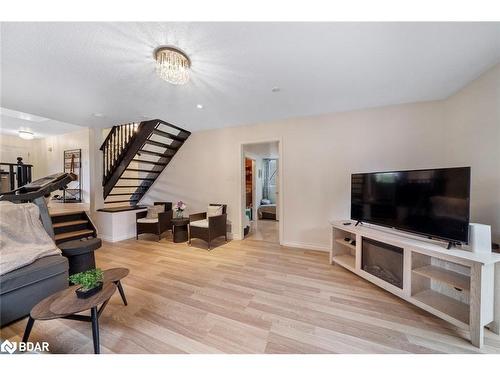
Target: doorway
[261,191]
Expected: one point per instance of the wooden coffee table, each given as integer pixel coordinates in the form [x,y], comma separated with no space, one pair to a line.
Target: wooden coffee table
[114,275]
[66,305]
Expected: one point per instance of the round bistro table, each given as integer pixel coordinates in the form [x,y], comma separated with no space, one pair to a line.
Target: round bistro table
[180,229]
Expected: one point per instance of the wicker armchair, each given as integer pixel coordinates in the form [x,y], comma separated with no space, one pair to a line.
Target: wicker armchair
[208,228]
[154,226]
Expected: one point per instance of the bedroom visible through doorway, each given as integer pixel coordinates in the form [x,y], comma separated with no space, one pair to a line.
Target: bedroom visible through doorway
[261,191]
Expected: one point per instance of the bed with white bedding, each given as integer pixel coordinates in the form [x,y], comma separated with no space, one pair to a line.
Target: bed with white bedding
[266,211]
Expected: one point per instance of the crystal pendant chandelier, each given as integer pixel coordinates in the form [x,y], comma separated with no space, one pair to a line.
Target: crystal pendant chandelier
[172,65]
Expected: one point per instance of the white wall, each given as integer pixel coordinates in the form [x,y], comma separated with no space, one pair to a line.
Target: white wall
[320,153]
[30,150]
[473,138]
[46,154]
[54,147]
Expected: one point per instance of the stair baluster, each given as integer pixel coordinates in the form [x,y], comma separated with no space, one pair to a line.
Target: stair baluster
[125,144]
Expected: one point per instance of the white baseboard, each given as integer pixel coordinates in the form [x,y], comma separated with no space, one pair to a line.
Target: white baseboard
[118,238]
[235,236]
[307,246]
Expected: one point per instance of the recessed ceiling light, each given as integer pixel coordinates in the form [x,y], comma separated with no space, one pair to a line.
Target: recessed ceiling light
[24,134]
[97,115]
[276,89]
[199,106]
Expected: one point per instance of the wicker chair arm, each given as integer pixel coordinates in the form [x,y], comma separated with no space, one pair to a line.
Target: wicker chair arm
[198,216]
[165,220]
[217,225]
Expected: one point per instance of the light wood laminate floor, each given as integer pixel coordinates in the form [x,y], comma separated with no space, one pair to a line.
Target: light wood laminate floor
[247,297]
[264,230]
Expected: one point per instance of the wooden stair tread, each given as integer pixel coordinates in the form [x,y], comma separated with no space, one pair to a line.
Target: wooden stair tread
[69,223]
[159,144]
[159,154]
[149,162]
[168,135]
[121,209]
[137,178]
[122,201]
[66,213]
[130,187]
[121,194]
[142,170]
[83,232]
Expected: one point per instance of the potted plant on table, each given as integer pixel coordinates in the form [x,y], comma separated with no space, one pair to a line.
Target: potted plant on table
[90,282]
[179,209]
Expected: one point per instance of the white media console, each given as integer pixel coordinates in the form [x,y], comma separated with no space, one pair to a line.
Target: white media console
[456,285]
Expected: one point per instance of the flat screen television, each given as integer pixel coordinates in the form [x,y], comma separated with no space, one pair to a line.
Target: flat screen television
[431,202]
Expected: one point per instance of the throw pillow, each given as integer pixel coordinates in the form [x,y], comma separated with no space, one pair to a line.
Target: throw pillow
[153,211]
[214,211]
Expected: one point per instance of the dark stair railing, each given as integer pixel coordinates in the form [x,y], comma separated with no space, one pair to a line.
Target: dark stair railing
[19,174]
[124,144]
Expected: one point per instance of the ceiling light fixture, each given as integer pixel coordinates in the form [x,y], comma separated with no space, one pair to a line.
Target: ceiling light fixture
[276,89]
[172,65]
[199,106]
[97,115]
[24,134]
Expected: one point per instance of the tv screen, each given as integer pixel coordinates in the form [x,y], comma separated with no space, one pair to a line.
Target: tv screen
[433,202]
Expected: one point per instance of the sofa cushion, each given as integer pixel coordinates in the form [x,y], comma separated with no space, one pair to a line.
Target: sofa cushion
[39,270]
[199,223]
[214,211]
[148,220]
[155,210]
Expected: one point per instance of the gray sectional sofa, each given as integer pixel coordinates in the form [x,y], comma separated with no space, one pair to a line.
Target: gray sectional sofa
[23,288]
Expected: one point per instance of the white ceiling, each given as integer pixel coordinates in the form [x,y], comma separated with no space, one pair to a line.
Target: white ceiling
[68,71]
[12,121]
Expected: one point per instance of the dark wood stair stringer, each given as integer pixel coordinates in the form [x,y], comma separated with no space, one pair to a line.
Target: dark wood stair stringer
[143,132]
[129,153]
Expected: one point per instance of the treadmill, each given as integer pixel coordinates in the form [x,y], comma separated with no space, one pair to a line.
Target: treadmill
[80,252]
[36,192]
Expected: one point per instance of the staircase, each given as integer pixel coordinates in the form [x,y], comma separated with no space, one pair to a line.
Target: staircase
[134,155]
[71,226]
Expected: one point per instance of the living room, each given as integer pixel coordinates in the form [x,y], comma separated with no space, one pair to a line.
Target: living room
[243,188]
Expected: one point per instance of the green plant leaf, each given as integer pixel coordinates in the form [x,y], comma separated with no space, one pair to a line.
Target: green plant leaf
[88,279]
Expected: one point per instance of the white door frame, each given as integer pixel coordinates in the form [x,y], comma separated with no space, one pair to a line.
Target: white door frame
[281,185]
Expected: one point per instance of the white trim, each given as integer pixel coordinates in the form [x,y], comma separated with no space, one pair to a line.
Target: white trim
[306,246]
[116,239]
[231,236]
[239,234]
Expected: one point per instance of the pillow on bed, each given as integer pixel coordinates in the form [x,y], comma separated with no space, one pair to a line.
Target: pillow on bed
[214,211]
[265,201]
